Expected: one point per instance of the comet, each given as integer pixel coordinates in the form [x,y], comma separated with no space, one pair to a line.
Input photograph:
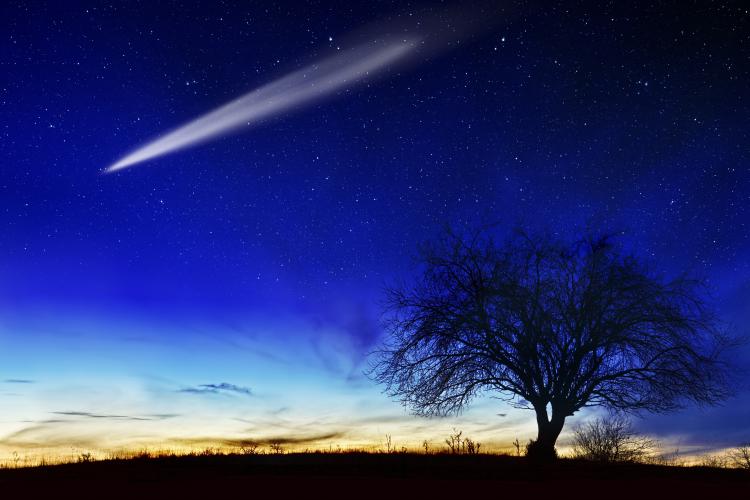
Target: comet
[375,50]
[303,86]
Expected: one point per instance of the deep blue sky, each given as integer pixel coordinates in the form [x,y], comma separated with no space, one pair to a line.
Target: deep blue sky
[624,117]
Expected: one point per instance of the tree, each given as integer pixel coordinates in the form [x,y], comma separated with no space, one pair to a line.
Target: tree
[550,326]
[741,456]
[609,439]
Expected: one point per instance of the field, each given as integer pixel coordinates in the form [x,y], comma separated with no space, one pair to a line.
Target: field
[339,475]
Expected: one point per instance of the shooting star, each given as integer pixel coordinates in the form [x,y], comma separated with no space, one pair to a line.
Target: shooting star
[299,87]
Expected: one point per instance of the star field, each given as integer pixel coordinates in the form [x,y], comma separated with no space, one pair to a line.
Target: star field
[632,118]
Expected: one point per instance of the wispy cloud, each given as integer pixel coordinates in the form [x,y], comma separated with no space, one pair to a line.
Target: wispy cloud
[50,434]
[717,427]
[163,416]
[281,439]
[220,388]
[18,381]
[114,417]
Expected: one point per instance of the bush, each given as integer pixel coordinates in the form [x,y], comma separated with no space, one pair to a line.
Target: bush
[610,439]
[540,454]
[740,456]
[713,461]
[458,445]
[276,448]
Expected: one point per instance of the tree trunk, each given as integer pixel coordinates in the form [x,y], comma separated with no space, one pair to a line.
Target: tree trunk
[543,449]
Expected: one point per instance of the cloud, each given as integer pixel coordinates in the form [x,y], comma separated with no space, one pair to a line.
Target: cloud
[51,434]
[80,429]
[163,416]
[114,417]
[287,439]
[18,381]
[281,439]
[346,330]
[713,427]
[221,388]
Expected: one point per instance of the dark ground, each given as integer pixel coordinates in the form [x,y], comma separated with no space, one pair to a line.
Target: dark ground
[355,475]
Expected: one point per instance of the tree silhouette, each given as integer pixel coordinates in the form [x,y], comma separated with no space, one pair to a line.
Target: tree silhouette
[549,326]
[610,439]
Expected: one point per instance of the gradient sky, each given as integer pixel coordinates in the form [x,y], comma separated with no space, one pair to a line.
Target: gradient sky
[231,291]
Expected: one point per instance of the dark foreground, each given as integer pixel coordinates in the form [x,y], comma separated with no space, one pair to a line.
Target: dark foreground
[355,475]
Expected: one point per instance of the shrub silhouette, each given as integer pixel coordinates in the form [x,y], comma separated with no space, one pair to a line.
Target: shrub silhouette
[538,452]
[462,445]
[609,439]
[741,456]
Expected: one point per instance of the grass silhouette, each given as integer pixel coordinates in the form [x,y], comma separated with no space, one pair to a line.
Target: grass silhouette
[342,473]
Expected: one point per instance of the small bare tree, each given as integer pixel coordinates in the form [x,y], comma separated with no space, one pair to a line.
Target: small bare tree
[713,461]
[740,456]
[389,448]
[458,445]
[517,446]
[276,447]
[454,442]
[610,439]
[471,447]
[249,448]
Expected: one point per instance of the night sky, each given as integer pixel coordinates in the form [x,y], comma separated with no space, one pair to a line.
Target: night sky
[232,290]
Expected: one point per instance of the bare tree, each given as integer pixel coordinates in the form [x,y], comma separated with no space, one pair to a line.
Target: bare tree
[740,456]
[454,442]
[610,439]
[549,326]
